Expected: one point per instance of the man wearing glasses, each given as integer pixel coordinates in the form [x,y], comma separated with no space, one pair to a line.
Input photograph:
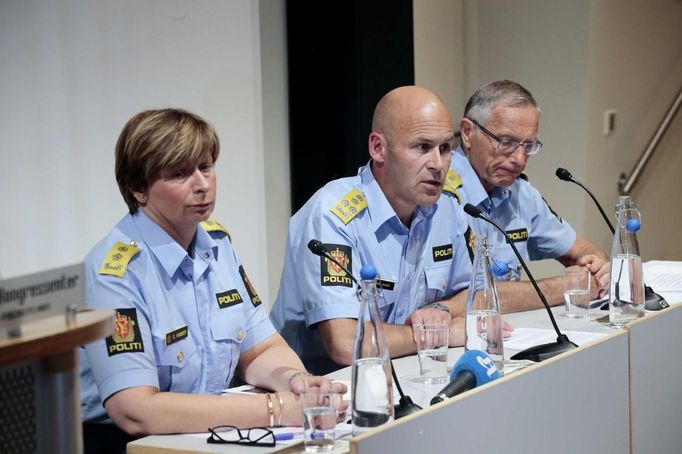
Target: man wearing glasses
[499,134]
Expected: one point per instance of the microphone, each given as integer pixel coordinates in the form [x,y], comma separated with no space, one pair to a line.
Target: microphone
[565,175]
[652,300]
[474,368]
[538,352]
[406,406]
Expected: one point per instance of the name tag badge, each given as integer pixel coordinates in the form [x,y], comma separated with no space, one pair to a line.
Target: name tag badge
[386,284]
[176,335]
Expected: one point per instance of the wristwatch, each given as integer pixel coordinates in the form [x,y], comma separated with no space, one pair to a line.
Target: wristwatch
[437,305]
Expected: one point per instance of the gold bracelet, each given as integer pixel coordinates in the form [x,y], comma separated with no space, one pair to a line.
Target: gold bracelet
[270,410]
[281,410]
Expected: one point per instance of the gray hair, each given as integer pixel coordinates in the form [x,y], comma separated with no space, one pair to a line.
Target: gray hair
[501,92]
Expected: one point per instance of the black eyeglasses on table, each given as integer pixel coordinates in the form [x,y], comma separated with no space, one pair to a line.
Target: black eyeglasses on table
[255,436]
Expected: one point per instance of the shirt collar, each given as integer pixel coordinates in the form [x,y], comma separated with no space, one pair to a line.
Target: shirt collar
[168,252]
[378,205]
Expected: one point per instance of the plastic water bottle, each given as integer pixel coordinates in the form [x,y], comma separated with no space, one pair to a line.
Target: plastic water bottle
[626,293]
[483,318]
[372,384]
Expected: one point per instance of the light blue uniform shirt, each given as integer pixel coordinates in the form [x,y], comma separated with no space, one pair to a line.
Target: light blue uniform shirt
[421,264]
[538,233]
[182,322]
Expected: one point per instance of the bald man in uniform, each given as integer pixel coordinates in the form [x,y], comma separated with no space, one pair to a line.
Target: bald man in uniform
[389,215]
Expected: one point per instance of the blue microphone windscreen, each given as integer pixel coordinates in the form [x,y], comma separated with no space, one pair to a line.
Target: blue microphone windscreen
[478,363]
[368,272]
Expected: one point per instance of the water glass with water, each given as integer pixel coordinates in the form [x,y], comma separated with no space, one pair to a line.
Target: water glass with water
[432,350]
[319,419]
[576,292]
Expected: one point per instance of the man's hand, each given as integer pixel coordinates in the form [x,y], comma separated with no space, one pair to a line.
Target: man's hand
[600,270]
[427,316]
[507,329]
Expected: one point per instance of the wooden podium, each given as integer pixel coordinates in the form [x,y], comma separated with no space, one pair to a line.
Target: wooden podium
[39,382]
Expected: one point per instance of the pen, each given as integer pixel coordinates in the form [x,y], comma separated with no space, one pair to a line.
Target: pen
[284,436]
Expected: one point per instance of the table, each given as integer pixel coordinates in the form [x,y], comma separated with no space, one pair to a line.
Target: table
[556,386]
[655,381]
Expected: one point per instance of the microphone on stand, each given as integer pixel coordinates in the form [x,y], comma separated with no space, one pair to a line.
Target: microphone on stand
[538,352]
[474,368]
[652,300]
[405,406]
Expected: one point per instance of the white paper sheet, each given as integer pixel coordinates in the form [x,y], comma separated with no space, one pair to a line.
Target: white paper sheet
[523,338]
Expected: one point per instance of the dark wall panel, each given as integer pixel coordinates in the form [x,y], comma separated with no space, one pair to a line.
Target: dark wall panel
[343,56]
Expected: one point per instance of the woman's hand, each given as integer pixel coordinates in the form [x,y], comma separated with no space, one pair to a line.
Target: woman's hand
[302,382]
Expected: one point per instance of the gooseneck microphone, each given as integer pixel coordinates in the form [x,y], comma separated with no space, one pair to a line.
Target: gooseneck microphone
[406,406]
[565,175]
[652,300]
[538,352]
[474,368]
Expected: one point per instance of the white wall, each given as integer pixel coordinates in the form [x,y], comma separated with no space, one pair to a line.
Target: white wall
[437,54]
[75,71]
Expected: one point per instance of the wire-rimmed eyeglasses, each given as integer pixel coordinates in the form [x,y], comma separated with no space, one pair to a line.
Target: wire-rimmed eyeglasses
[508,146]
[255,436]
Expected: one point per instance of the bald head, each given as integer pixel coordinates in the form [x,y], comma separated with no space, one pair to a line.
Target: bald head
[406,106]
[410,145]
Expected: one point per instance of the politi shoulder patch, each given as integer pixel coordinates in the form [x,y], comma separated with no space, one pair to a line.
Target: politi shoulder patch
[118,257]
[126,337]
[469,239]
[211,225]
[250,289]
[552,211]
[332,274]
[349,206]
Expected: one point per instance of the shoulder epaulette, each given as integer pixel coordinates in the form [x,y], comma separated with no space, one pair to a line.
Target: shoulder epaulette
[453,182]
[211,225]
[349,206]
[118,257]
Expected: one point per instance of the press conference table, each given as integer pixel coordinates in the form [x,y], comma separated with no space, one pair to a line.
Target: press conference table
[576,402]
[617,394]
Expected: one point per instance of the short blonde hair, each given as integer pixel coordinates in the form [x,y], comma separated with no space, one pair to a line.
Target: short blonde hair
[155,140]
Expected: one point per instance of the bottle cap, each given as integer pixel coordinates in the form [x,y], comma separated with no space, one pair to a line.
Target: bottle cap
[633,225]
[368,272]
[499,269]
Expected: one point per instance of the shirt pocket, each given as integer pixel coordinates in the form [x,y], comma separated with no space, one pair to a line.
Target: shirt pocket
[178,364]
[228,331]
[436,282]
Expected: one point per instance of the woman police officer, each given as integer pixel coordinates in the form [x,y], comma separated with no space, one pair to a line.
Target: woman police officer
[187,316]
